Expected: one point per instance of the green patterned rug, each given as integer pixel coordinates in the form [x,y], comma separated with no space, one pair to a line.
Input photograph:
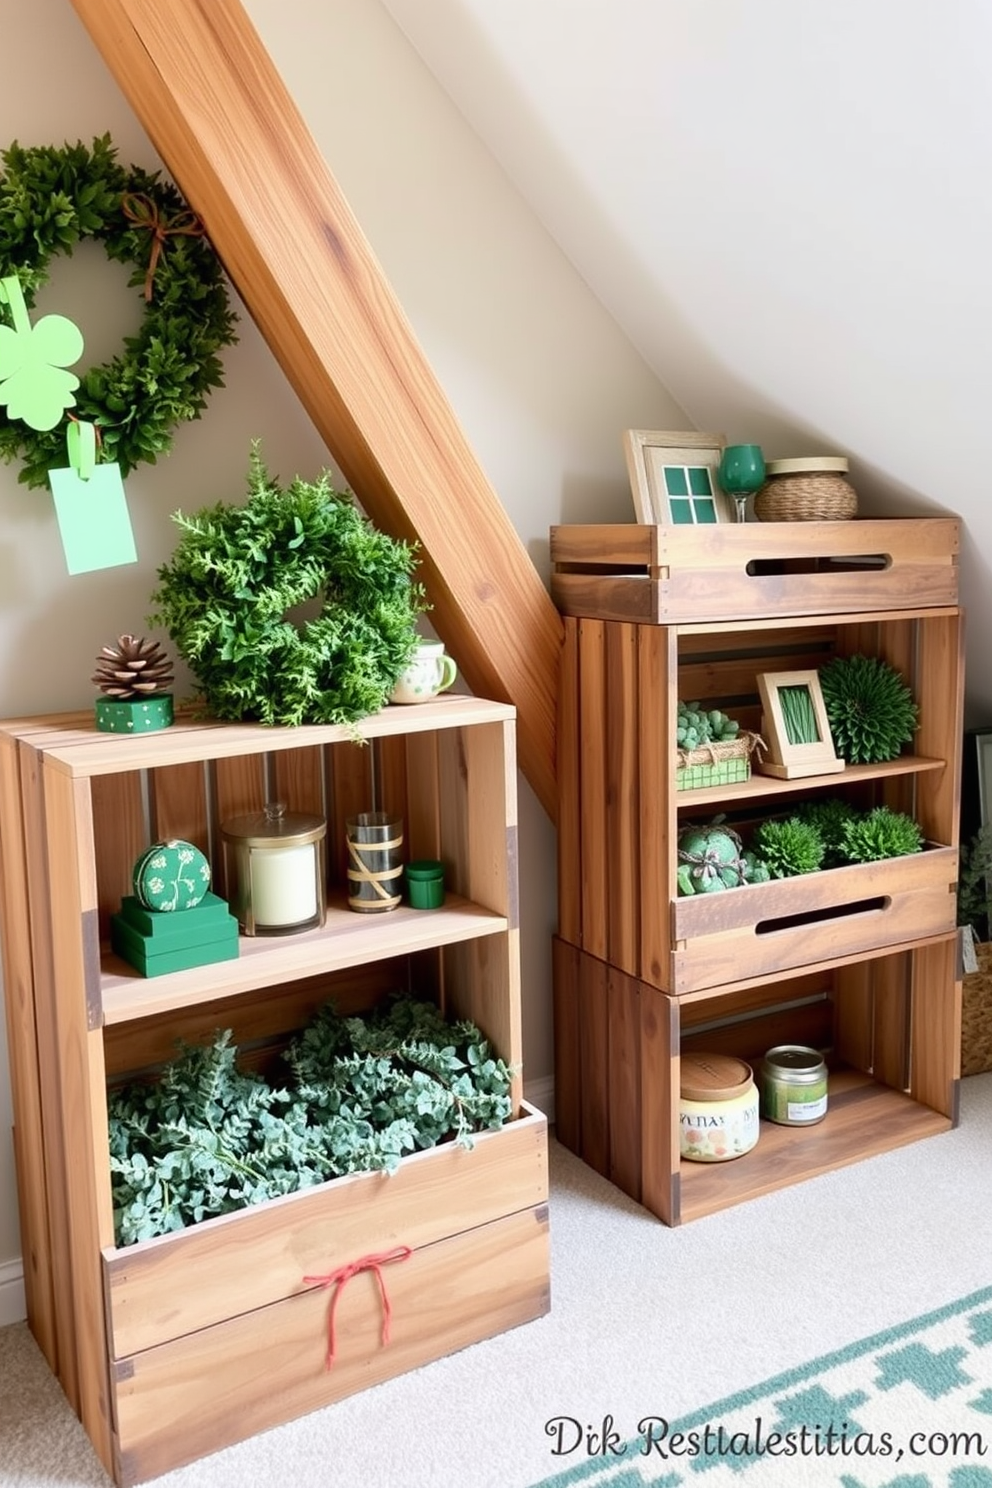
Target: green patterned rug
[907,1408]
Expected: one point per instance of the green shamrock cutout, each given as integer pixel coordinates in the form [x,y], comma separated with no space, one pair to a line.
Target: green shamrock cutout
[33,383]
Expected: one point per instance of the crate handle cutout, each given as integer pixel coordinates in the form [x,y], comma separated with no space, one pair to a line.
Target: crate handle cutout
[857,907]
[337,1279]
[757,568]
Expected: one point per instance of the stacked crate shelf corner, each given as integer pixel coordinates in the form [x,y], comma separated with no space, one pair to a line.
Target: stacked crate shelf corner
[862,962]
[174,1347]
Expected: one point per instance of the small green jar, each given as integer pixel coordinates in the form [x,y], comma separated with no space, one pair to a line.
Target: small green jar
[424,883]
[792,1082]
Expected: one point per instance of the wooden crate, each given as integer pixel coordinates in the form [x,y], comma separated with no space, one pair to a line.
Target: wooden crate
[860,961]
[763,929]
[219,1330]
[621,809]
[182,1344]
[889,1025]
[663,575]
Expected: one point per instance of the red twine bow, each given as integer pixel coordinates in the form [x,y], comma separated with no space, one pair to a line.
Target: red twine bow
[337,1279]
[143,212]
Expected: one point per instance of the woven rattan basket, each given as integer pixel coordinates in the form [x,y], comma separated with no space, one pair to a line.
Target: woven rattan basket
[976,1015]
[815,489]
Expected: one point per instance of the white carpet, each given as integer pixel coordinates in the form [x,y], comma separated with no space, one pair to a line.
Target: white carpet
[644,1321]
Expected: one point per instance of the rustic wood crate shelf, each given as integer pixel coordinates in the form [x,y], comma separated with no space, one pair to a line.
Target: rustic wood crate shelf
[863,1118]
[655,615]
[181,1344]
[345,939]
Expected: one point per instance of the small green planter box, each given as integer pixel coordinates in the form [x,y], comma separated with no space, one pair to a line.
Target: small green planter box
[724,772]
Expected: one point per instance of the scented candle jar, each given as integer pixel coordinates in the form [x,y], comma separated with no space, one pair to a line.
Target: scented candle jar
[718,1108]
[793,1082]
[274,863]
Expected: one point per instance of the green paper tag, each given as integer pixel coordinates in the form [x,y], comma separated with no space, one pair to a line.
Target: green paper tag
[94,521]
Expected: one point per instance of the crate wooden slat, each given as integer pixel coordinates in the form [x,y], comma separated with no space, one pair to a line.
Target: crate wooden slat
[792,922]
[176,1284]
[183,1399]
[650,574]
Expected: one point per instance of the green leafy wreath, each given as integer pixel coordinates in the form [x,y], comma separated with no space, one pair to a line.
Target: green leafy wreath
[50,200]
[239,572]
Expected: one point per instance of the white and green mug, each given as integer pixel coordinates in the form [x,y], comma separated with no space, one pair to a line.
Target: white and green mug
[429,671]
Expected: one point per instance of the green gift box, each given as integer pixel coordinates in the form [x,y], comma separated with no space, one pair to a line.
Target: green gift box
[133,715]
[204,922]
[154,956]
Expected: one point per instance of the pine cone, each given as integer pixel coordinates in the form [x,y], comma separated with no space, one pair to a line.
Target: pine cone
[135,667]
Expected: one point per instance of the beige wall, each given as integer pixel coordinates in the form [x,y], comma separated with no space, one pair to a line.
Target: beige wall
[537,372]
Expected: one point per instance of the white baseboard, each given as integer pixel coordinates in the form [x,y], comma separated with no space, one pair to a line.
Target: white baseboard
[13,1307]
[541,1093]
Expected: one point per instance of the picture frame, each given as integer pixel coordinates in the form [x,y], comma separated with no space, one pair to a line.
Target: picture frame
[795,727]
[976,781]
[673,477]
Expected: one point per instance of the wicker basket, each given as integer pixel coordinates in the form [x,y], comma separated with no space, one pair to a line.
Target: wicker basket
[976,1015]
[717,764]
[815,489]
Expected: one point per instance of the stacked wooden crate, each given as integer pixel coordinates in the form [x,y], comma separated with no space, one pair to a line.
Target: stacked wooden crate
[861,961]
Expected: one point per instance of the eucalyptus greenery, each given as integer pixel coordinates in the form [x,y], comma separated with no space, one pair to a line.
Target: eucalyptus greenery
[207,1138]
[869,707]
[239,570]
[50,200]
[879,834]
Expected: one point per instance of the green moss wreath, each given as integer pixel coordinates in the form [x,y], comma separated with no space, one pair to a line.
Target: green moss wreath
[237,572]
[50,200]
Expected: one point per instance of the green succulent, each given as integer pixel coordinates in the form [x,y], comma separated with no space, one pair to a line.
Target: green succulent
[697,725]
[789,847]
[880,834]
[869,707]
[830,817]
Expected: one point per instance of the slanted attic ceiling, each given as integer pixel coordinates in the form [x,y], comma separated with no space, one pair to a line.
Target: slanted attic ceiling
[203,87]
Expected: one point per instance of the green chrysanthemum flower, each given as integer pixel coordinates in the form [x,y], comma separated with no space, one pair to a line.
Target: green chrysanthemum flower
[869,707]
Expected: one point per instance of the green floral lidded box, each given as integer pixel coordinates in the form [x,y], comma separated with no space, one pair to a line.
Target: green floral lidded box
[171,875]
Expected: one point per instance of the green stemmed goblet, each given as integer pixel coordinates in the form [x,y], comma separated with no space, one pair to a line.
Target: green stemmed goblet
[742,471]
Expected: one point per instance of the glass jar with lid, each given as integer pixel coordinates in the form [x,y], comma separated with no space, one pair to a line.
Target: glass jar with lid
[793,1085]
[274,865]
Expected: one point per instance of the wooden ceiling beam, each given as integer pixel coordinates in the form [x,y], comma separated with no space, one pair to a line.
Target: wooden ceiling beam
[201,83]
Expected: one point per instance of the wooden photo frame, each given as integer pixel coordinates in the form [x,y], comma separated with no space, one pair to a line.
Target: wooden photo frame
[673,477]
[976,781]
[795,726]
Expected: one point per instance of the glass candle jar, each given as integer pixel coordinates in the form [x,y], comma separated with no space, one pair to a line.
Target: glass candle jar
[793,1085]
[274,862]
[718,1108]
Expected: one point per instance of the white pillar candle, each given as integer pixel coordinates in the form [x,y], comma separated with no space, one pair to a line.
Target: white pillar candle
[283,884]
